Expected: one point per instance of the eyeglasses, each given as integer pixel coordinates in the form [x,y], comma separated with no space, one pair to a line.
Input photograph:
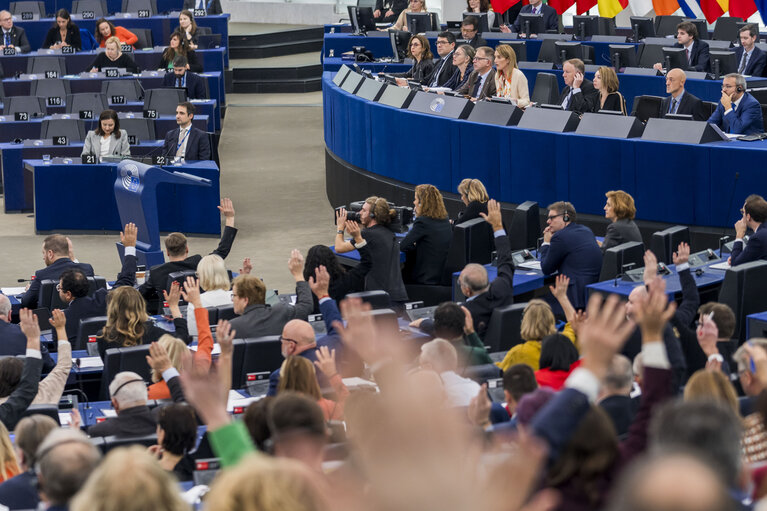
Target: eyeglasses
[441,42]
[552,217]
[728,87]
[480,58]
[288,340]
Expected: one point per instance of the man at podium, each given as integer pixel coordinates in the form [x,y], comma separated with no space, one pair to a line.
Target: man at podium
[186,142]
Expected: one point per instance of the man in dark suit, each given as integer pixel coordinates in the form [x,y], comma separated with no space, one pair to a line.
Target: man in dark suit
[681,102]
[737,111]
[550,17]
[129,399]
[73,287]
[751,60]
[13,37]
[178,254]
[483,296]
[13,341]
[443,68]
[570,249]
[182,77]
[754,214]
[470,32]
[186,141]
[57,257]
[579,94]
[615,398]
[481,82]
[696,50]
[210,6]
[387,11]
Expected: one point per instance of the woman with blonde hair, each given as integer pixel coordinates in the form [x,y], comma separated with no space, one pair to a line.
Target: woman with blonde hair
[606,82]
[510,82]
[474,196]
[537,322]
[147,487]
[214,279]
[620,210]
[429,238]
[10,465]
[712,386]
[297,374]
[413,6]
[263,483]
[128,323]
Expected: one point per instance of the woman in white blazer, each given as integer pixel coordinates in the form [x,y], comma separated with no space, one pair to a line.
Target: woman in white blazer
[107,139]
[510,82]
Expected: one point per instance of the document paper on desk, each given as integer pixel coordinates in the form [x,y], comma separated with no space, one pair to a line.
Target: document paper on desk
[13,291]
[216,349]
[720,266]
[530,265]
[91,362]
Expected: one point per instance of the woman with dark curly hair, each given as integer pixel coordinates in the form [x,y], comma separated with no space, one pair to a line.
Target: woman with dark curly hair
[430,236]
[176,436]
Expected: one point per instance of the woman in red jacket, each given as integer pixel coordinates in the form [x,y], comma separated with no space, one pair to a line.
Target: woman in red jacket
[106,29]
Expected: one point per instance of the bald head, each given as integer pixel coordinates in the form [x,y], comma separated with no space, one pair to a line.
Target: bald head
[619,377]
[297,337]
[473,280]
[5,309]
[675,81]
[637,294]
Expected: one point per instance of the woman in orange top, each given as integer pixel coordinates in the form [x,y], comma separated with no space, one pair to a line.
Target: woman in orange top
[10,466]
[106,29]
[297,374]
[175,347]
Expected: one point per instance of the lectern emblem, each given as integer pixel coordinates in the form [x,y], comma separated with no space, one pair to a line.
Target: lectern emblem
[437,105]
[130,177]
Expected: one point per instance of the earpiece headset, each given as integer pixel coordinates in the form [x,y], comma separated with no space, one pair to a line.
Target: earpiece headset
[566,216]
[738,89]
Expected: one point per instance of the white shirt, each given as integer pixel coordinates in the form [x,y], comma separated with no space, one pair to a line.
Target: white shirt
[104,146]
[182,135]
[460,391]
[215,298]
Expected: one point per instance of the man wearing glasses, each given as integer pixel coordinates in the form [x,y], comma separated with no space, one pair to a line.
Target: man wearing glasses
[570,249]
[443,68]
[470,32]
[481,82]
[754,213]
[12,37]
[737,112]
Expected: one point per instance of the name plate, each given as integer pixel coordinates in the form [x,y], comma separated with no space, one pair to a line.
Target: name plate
[199,12]
[132,140]
[89,159]
[51,74]
[60,140]
[150,114]
[143,13]
[25,16]
[67,50]
[21,116]
[118,100]
[159,159]
[126,48]
[9,51]
[111,73]
[54,101]
[88,15]
[86,114]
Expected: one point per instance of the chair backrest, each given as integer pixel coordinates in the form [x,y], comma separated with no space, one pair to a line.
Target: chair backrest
[96,102]
[377,299]
[88,40]
[226,312]
[74,129]
[51,411]
[113,442]
[164,101]
[203,31]
[651,54]
[472,242]
[117,360]
[54,87]
[139,5]
[546,90]
[40,64]
[144,37]
[503,329]
[32,105]
[647,107]
[525,226]
[36,8]
[666,25]
[207,41]
[617,259]
[214,140]
[548,51]
[178,276]
[88,327]
[98,7]
[709,107]
[142,129]
[49,295]
[482,373]
[764,116]
[2,74]
[131,89]
[726,28]
[262,354]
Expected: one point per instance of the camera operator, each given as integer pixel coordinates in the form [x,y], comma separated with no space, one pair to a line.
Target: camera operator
[385,272]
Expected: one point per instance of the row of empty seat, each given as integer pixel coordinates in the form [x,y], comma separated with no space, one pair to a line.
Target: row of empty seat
[162,101]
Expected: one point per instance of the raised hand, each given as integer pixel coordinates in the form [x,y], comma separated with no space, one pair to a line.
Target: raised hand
[296,264]
[158,358]
[479,408]
[604,334]
[326,361]
[247,266]
[493,216]
[682,254]
[559,289]
[58,320]
[320,283]
[650,267]
[191,292]
[341,219]
[205,391]
[360,332]
[173,298]
[707,333]
[129,235]
[227,208]
[468,322]
[653,311]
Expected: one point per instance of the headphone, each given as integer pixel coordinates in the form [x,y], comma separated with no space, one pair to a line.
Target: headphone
[566,216]
[738,88]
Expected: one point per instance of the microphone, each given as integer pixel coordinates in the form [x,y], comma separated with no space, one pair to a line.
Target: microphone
[24,280]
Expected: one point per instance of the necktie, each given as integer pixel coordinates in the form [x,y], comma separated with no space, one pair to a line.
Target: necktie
[688,55]
[435,82]
[7,38]
[742,66]
[567,99]
[477,87]
[182,136]
[673,106]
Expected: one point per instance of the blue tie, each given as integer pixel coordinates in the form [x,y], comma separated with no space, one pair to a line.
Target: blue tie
[7,38]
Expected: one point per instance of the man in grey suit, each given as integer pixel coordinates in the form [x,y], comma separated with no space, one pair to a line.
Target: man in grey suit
[255,318]
[481,82]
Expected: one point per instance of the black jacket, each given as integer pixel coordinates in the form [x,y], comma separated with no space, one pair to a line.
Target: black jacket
[472,211]
[621,231]
[614,101]
[385,271]
[13,343]
[158,275]
[501,291]
[22,396]
[72,38]
[581,101]
[124,60]
[18,39]
[419,72]
[442,72]
[688,105]
[191,57]
[430,239]
[351,281]
[621,410]
[194,84]
[152,333]
[699,56]
[197,147]
[52,272]
[134,421]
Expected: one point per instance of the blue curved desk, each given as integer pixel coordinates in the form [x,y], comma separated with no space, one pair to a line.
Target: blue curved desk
[671,183]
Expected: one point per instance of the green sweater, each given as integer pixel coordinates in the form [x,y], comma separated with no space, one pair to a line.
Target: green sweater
[231,443]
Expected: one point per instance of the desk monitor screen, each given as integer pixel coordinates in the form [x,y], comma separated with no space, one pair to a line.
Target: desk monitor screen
[674,58]
[679,117]
[566,50]
[482,17]
[531,23]
[585,26]
[418,22]
[623,56]
[701,25]
[361,18]
[642,27]
[399,40]
[723,62]
[519,47]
